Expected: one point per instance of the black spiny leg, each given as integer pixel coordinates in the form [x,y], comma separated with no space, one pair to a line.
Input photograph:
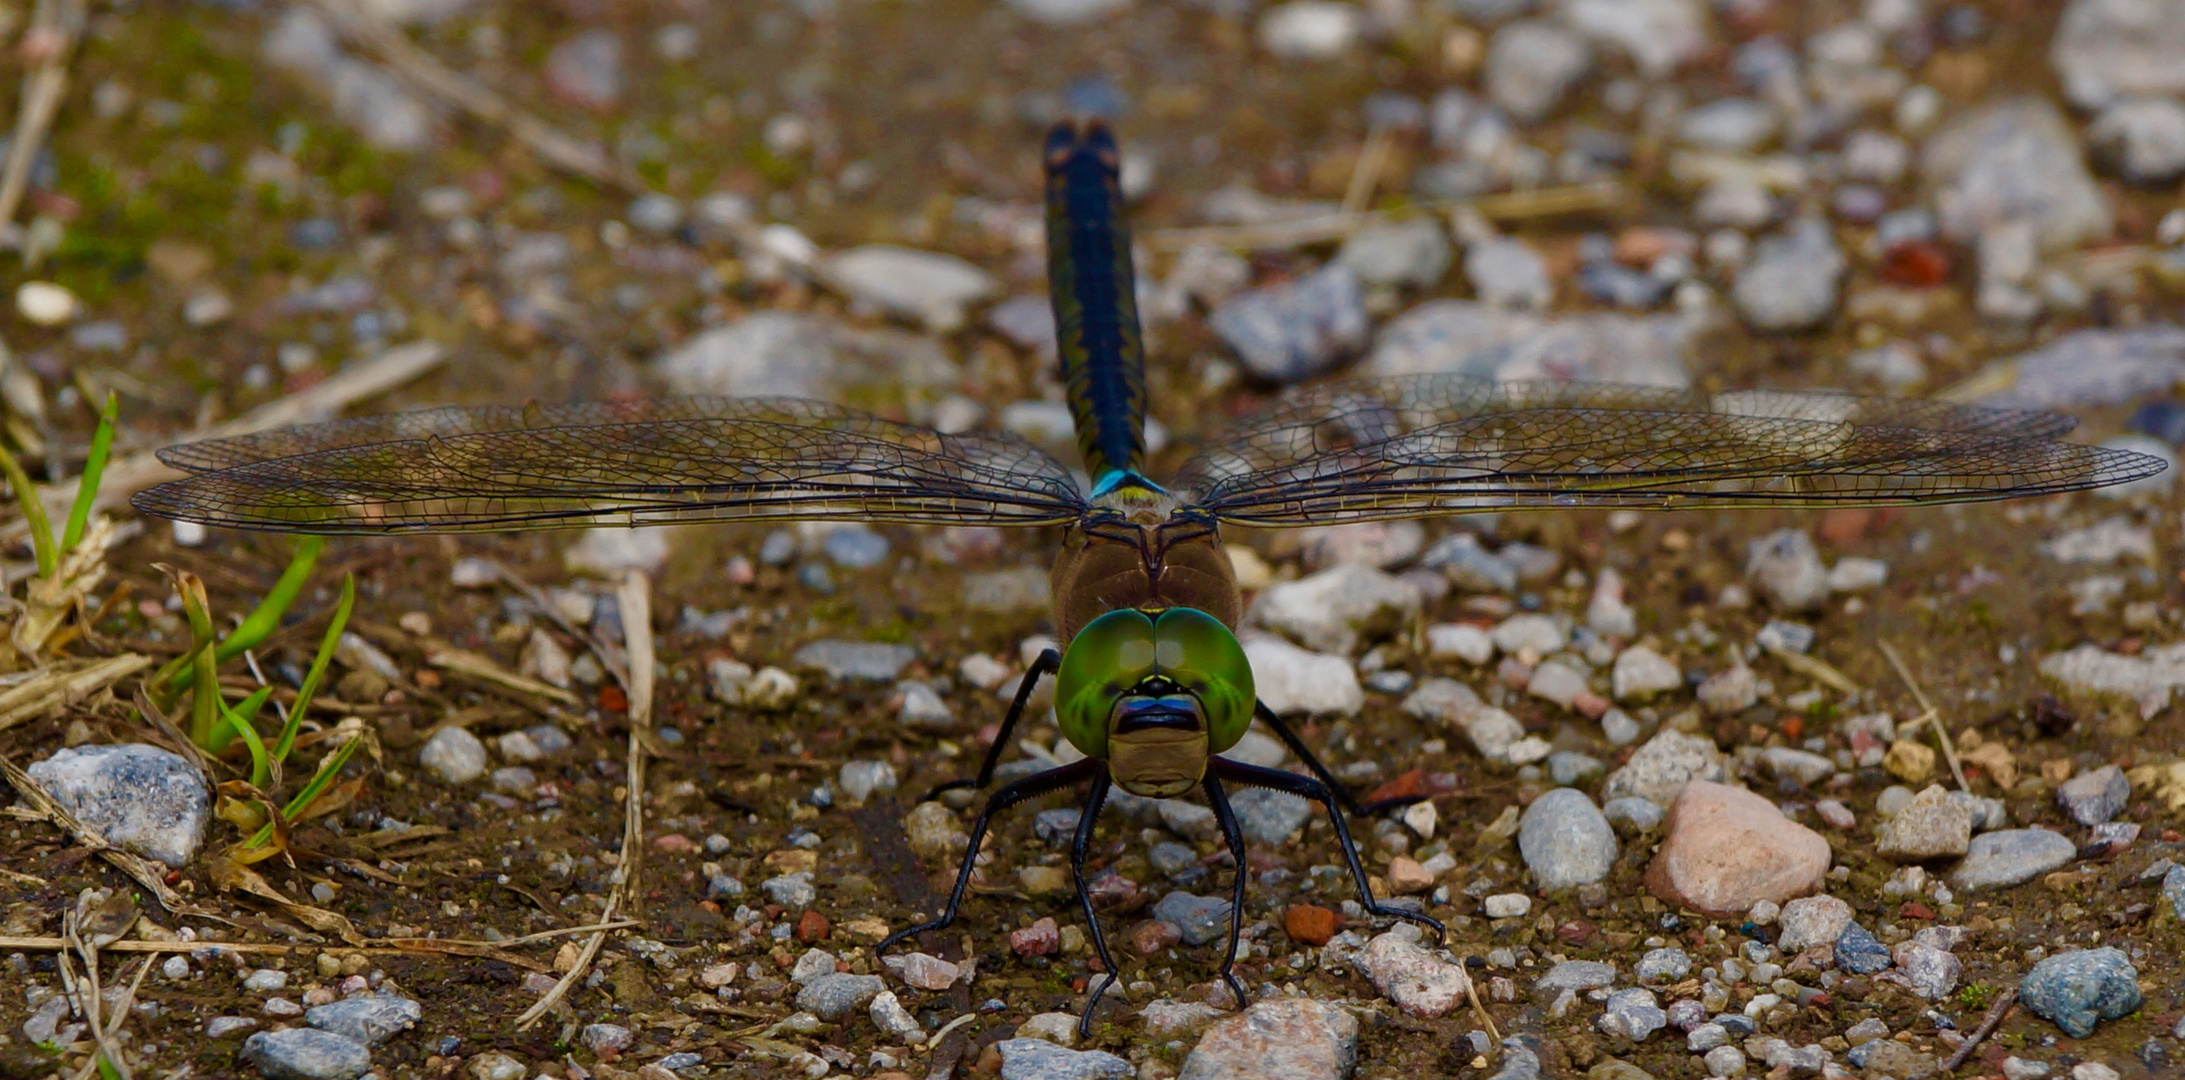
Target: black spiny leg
[1235,835]
[1046,664]
[1238,772]
[1080,849]
[1028,788]
[1342,794]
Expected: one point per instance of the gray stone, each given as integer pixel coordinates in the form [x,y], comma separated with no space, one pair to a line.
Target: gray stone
[2011,858]
[871,661]
[2094,797]
[1738,124]
[2016,160]
[1926,970]
[859,780]
[1293,331]
[1657,35]
[1632,1014]
[1201,918]
[1415,252]
[1932,826]
[793,891]
[369,1019]
[2173,890]
[776,353]
[1330,611]
[1467,337]
[587,69]
[2107,49]
[1791,282]
[1415,980]
[1038,1059]
[1665,965]
[2077,990]
[932,287]
[1661,766]
[138,797]
[1565,841]
[1810,921]
[2095,367]
[1576,975]
[1267,816]
[1507,272]
[1281,1038]
[1632,815]
[1641,673]
[306,1054]
[1530,66]
[1293,680]
[362,94]
[1788,569]
[837,996]
[2143,137]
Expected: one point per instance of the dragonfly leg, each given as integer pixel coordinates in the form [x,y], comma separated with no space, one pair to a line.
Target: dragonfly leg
[1297,746]
[1219,799]
[1080,849]
[1028,788]
[1238,772]
[1046,664]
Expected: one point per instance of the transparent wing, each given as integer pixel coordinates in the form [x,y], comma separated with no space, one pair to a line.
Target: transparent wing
[614,463]
[1426,445]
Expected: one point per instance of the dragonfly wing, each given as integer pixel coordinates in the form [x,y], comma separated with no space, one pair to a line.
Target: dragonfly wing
[613,463]
[1426,445]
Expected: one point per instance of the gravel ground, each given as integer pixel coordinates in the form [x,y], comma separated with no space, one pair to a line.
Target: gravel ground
[1789,794]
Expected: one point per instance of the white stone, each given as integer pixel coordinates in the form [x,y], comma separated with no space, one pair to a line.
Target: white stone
[1460,640]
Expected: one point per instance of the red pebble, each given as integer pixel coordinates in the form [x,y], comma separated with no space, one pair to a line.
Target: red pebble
[613,699]
[1041,938]
[1916,264]
[1309,924]
[1574,932]
[675,842]
[1913,909]
[1410,784]
[811,927]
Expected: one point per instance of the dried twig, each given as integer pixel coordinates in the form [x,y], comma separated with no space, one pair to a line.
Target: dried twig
[1366,174]
[1932,716]
[447,657]
[1812,667]
[426,73]
[65,681]
[1996,1012]
[55,27]
[1328,227]
[635,597]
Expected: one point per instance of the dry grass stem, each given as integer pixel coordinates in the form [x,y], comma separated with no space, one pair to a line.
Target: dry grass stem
[1929,715]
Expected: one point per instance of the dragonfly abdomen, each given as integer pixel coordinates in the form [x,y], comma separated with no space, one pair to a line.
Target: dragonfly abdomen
[1096,309]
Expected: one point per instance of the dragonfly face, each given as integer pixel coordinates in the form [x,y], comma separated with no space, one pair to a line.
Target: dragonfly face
[1155,693]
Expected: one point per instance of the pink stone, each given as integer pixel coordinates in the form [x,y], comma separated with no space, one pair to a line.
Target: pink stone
[1726,849]
[1041,938]
[1153,935]
[928,972]
[674,842]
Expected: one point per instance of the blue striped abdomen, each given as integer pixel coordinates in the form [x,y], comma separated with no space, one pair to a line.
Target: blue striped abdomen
[1096,308]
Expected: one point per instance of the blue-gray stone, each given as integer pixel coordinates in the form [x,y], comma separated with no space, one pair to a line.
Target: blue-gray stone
[1577,975]
[873,661]
[306,1054]
[2077,990]
[835,996]
[814,576]
[1057,827]
[1292,332]
[1201,918]
[792,891]
[1038,1059]
[1632,814]
[1565,841]
[1467,565]
[1996,860]
[1634,1014]
[369,1019]
[1569,768]
[143,798]
[778,548]
[2095,797]
[1267,816]
[855,547]
[2173,889]
[1172,858]
[1859,952]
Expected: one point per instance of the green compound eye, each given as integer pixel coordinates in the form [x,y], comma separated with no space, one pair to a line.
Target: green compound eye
[1202,656]
[1112,654]
[1116,652]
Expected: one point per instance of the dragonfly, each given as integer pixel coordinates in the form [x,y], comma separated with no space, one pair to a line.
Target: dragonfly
[1151,683]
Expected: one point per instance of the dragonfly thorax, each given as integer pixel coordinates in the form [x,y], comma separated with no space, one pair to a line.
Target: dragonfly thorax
[1137,549]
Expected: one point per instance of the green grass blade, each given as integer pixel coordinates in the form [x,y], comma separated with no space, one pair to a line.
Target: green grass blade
[240,722]
[317,674]
[94,469]
[321,780]
[205,701]
[34,513]
[264,619]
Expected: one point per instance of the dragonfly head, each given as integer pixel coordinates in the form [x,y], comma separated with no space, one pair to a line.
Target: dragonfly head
[1154,694]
